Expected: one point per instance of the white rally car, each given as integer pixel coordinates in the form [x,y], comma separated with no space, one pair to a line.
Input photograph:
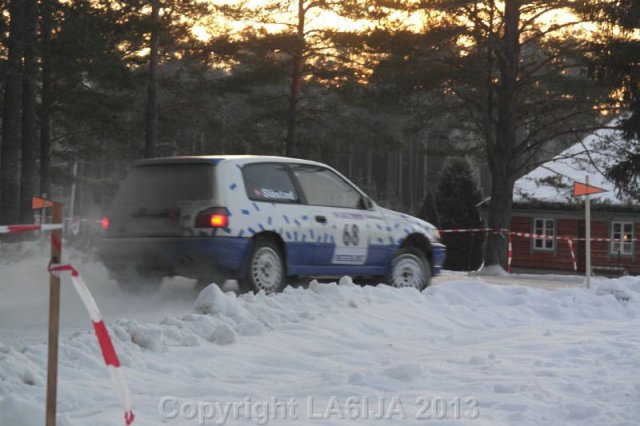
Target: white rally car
[262,221]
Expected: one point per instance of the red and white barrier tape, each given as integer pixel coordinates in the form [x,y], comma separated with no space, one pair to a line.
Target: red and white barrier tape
[465,230]
[528,234]
[573,254]
[532,236]
[564,237]
[14,229]
[106,345]
[509,254]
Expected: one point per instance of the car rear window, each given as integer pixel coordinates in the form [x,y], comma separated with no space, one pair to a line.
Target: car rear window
[163,184]
[151,199]
[269,182]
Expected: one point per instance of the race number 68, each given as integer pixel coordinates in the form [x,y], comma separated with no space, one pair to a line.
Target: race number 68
[350,235]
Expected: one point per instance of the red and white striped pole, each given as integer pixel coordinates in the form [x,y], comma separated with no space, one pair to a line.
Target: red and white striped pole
[111,360]
[106,345]
[14,229]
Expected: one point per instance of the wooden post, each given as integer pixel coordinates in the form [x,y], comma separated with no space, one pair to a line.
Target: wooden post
[54,318]
[587,227]
[580,189]
[43,219]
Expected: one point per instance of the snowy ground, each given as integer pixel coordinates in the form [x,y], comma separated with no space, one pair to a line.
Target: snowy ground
[464,351]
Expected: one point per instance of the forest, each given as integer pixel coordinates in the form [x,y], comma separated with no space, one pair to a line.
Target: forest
[389,92]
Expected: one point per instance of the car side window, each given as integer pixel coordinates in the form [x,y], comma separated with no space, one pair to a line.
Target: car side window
[269,182]
[322,187]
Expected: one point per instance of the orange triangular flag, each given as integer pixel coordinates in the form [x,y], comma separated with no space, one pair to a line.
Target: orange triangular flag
[40,203]
[583,189]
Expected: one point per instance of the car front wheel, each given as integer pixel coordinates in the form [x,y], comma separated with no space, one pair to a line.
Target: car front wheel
[410,268]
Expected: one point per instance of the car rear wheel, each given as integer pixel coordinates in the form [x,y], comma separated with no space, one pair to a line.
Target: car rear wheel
[410,268]
[265,268]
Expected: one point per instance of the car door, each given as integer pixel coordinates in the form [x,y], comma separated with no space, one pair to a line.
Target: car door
[343,229]
[276,207]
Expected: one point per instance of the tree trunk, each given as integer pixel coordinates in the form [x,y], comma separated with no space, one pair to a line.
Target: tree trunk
[10,152]
[369,169]
[350,161]
[389,177]
[297,63]
[47,100]
[400,171]
[411,177]
[151,119]
[499,217]
[501,152]
[29,182]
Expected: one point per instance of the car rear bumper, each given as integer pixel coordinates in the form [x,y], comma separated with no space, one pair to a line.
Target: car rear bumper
[438,256]
[187,256]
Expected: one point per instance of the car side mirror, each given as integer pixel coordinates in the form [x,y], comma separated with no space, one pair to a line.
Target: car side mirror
[367,203]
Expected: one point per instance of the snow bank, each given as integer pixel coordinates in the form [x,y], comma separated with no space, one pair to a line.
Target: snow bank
[506,354]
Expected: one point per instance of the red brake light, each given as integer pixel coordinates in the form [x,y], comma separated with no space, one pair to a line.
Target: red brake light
[104,223]
[217,220]
[215,217]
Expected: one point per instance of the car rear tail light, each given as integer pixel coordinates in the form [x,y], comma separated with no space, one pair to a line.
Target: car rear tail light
[104,223]
[215,217]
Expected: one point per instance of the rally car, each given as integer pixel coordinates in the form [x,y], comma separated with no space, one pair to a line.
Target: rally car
[263,221]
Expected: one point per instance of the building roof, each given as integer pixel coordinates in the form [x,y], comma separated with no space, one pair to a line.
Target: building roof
[553,181]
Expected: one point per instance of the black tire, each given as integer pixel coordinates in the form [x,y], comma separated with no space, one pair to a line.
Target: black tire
[410,268]
[265,269]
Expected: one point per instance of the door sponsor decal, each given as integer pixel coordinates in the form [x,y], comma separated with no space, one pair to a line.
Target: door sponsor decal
[351,240]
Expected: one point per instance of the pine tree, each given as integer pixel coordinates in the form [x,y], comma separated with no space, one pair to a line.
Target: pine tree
[508,75]
[429,210]
[287,29]
[456,198]
[47,10]
[616,63]
[29,171]
[168,28]
[12,105]
[151,119]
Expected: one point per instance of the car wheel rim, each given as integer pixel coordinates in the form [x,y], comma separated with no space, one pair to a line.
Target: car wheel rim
[266,270]
[408,271]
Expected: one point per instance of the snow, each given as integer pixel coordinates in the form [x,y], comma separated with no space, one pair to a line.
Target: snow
[493,270]
[553,181]
[339,353]
[24,296]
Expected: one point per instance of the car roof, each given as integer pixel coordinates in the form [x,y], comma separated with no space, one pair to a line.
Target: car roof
[215,159]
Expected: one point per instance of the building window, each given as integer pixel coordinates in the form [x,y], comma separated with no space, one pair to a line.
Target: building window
[622,238]
[546,228]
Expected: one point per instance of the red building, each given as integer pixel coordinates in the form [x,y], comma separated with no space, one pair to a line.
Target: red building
[543,205]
